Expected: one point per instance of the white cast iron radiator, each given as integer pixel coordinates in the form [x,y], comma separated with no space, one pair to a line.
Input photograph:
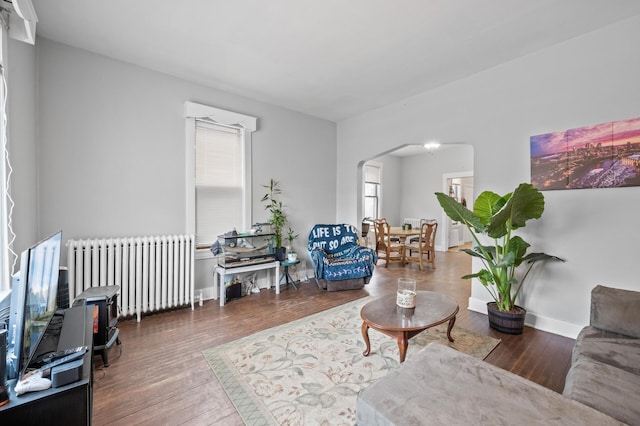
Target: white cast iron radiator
[154,273]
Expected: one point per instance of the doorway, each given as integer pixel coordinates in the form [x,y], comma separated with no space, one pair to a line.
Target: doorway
[460,187]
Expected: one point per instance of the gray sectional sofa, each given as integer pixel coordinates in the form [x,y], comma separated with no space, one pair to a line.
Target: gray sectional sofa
[605,369]
[440,385]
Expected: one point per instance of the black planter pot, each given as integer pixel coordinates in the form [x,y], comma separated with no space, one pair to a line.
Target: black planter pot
[281,253]
[506,322]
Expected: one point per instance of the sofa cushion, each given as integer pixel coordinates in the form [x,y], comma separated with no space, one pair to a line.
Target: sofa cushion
[614,349]
[440,385]
[606,388]
[616,310]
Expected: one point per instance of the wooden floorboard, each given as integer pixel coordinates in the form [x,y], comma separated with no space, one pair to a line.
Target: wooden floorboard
[159,376]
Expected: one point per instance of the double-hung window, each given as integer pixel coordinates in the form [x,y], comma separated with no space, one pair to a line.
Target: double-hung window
[218,172]
[219,181]
[372,182]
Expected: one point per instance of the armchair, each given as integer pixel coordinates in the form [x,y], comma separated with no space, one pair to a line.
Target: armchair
[338,261]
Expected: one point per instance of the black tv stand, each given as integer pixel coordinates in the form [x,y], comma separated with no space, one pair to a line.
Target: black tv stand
[70,404]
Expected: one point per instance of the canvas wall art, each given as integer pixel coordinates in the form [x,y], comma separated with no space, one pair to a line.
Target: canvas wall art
[600,156]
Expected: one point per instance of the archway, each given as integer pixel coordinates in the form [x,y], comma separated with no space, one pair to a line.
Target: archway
[411,176]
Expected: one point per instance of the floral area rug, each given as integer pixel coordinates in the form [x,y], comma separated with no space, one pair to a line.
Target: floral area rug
[309,371]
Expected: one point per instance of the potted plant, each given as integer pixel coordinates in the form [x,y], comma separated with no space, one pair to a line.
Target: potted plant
[278,218]
[496,217]
[291,254]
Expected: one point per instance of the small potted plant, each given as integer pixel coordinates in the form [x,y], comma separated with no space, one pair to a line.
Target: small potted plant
[278,218]
[291,254]
[496,217]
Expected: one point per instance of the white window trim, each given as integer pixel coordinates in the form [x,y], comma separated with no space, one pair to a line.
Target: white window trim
[194,111]
[379,166]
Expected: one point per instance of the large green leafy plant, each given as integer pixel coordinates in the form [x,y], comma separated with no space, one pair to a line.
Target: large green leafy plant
[278,218]
[496,217]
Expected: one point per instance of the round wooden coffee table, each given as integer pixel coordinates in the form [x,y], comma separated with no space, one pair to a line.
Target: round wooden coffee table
[384,315]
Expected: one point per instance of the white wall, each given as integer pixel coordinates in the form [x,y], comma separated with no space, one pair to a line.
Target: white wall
[422,177]
[112,149]
[21,136]
[588,80]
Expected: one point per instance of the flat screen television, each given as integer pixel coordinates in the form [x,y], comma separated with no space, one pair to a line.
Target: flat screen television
[33,302]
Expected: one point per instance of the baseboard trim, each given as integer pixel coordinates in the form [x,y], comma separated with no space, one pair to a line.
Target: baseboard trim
[539,322]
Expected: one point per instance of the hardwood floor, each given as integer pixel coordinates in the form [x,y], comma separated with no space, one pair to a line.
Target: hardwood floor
[158,375]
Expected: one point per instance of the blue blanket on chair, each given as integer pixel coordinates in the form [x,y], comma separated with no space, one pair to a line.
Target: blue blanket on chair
[336,254]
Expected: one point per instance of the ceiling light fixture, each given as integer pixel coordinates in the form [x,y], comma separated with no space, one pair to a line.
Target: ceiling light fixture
[431,146]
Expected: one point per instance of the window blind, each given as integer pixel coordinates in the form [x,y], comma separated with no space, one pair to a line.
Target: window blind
[219,180]
[371,174]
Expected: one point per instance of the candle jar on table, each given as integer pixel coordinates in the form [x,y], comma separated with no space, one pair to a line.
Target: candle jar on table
[406,296]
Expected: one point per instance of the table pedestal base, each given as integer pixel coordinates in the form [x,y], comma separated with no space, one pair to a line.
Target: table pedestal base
[402,336]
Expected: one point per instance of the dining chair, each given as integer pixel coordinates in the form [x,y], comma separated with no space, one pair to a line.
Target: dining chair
[386,248]
[415,239]
[415,224]
[424,247]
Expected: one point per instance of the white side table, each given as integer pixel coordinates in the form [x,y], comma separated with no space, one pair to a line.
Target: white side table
[219,273]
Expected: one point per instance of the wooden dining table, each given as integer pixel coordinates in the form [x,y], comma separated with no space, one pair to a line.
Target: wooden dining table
[402,234]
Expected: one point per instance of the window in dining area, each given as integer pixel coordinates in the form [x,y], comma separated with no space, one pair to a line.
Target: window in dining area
[372,182]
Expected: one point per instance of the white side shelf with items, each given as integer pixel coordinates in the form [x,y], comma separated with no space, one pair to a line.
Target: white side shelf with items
[219,273]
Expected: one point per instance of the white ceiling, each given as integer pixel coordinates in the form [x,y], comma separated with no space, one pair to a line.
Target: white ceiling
[328,58]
